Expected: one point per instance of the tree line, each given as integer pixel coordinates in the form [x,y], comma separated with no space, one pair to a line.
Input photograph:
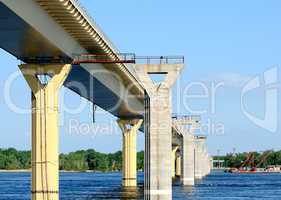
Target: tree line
[256,159]
[11,159]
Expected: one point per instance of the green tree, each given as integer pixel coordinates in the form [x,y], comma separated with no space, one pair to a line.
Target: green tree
[77,161]
[140,160]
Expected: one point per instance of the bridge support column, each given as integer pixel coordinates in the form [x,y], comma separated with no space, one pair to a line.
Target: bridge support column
[207,168]
[178,166]
[199,157]
[198,163]
[207,163]
[158,126]
[188,160]
[210,164]
[45,153]
[204,163]
[173,163]
[129,129]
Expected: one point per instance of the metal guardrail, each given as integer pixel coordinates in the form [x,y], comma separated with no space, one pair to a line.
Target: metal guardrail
[204,137]
[127,58]
[103,58]
[187,120]
[186,117]
[160,59]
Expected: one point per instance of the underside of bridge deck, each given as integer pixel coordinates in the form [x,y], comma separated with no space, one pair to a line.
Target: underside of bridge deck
[104,85]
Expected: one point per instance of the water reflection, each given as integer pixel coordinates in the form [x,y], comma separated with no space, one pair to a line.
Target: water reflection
[188,190]
[180,191]
[132,193]
[135,193]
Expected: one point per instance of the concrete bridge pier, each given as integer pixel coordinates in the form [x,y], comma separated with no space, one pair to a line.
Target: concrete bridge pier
[207,168]
[129,154]
[158,126]
[204,162]
[188,160]
[198,163]
[173,163]
[210,164]
[45,152]
[187,146]
[178,166]
[199,156]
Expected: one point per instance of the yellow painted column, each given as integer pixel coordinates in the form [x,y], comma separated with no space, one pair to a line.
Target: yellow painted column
[178,166]
[45,152]
[174,151]
[129,154]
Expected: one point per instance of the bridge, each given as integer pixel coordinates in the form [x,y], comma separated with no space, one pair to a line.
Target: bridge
[59,41]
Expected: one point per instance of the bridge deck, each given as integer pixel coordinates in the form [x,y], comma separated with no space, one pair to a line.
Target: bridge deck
[40,29]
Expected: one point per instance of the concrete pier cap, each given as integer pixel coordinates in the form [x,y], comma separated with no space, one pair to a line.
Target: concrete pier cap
[172,71]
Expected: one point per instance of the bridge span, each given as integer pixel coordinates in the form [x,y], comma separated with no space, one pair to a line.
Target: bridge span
[54,31]
[48,36]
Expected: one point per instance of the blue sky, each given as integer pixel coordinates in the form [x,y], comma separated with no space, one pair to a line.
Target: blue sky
[228,42]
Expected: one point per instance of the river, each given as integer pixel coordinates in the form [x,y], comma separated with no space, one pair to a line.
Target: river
[90,186]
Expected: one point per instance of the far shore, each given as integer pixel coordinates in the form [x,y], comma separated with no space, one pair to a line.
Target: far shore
[64,171]
[16,170]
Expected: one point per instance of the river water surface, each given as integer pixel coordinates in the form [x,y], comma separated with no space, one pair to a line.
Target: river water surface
[90,186]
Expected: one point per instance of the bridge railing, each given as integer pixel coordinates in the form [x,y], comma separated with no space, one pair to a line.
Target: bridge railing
[186,117]
[160,59]
[103,58]
[127,58]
